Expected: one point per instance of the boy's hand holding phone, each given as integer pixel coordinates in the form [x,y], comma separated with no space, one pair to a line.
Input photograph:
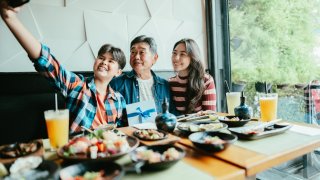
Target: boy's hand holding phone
[13,5]
[17,3]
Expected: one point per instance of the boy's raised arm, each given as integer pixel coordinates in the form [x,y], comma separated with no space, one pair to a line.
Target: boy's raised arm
[30,44]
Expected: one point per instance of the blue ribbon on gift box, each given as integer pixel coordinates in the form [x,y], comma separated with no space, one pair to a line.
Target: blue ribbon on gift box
[142,114]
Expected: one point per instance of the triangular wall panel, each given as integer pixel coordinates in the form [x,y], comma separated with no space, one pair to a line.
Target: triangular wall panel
[82,59]
[102,28]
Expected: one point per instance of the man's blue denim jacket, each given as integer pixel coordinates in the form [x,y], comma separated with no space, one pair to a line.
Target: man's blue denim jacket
[127,85]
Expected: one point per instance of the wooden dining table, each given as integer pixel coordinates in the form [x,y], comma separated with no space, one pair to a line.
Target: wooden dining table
[255,156]
[208,167]
[241,160]
[195,165]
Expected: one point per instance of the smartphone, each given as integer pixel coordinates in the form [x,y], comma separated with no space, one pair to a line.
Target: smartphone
[17,3]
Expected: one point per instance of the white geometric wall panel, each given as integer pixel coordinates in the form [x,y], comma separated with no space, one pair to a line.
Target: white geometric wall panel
[12,56]
[134,7]
[75,29]
[102,28]
[154,6]
[98,5]
[135,23]
[188,10]
[81,60]
[59,3]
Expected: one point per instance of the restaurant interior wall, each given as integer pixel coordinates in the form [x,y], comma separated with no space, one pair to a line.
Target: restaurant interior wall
[75,29]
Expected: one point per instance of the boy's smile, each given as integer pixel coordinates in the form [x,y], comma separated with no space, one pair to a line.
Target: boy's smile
[106,67]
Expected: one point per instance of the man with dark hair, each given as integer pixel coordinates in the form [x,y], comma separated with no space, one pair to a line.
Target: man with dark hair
[142,84]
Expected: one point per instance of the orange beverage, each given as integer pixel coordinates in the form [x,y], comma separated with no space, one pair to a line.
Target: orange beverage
[58,127]
[268,106]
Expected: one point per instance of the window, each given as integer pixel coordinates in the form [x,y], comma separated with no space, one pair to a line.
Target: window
[277,42]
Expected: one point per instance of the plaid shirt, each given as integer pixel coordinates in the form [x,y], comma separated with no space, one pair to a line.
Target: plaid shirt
[79,92]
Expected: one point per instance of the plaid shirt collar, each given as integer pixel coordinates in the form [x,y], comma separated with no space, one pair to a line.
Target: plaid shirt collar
[110,92]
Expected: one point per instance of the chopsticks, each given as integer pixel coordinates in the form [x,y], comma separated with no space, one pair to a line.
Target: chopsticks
[87,129]
[186,117]
[263,125]
[196,116]
[193,118]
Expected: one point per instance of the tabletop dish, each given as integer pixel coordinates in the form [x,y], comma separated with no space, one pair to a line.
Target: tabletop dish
[22,168]
[233,121]
[212,141]
[157,157]
[260,133]
[191,127]
[103,170]
[100,145]
[150,134]
[19,149]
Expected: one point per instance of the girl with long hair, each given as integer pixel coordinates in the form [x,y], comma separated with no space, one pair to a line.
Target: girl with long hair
[192,89]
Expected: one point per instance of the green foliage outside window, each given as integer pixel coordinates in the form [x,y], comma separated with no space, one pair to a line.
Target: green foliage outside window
[273,41]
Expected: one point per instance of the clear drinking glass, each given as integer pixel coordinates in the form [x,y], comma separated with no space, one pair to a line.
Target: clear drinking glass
[268,106]
[233,100]
[57,122]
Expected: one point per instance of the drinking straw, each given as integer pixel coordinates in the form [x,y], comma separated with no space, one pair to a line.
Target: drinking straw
[266,87]
[56,101]
[227,85]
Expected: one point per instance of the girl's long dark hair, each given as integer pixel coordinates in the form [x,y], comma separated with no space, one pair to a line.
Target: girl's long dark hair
[195,86]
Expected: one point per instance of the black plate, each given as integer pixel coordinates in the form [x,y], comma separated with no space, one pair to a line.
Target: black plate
[133,143]
[15,150]
[239,123]
[111,169]
[186,130]
[197,140]
[136,134]
[159,165]
[46,165]
[268,131]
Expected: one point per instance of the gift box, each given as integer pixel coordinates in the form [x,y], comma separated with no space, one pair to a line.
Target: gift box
[141,112]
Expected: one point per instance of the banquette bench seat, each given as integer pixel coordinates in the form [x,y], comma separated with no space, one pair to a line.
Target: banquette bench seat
[24,96]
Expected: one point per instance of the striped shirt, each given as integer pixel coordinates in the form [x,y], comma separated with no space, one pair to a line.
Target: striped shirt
[312,98]
[178,87]
[80,93]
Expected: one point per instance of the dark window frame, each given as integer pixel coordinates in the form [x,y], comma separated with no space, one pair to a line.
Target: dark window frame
[218,47]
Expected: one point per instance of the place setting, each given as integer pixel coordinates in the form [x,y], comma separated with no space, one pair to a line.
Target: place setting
[113,145]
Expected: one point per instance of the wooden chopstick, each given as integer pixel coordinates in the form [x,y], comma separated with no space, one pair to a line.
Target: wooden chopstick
[87,129]
[193,118]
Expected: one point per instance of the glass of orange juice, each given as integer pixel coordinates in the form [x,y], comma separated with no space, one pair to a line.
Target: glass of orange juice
[57,122]
[268,106]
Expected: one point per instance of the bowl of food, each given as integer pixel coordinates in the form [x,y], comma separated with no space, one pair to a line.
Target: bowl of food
[96,146]
[212,141]
[16,150]
[157,157]
[30,167]
[92,170]
[233,121]
[150,134]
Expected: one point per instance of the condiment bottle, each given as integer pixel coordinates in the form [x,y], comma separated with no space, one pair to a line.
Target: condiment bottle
[166,121]
[242,111]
